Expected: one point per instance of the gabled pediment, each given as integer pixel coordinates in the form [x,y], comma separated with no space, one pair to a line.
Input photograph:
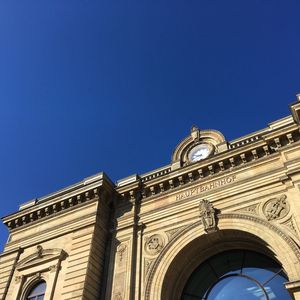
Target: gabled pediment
[41,256]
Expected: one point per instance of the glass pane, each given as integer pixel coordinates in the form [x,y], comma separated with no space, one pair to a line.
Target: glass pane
[236,288]
[275,288]
[200,281]
[237,264]
[40,297]
[259,274]
[255,263]
[39,289]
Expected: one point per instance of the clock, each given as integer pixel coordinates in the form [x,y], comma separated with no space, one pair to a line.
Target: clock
[200,152]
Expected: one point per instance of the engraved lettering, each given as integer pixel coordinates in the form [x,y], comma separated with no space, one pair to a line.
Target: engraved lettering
[206,187]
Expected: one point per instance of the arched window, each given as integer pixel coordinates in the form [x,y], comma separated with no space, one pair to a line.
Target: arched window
[37,292]
[235,275]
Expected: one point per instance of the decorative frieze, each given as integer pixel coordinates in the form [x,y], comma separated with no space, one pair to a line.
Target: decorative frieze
[232,162]
[254,153]
[277,142]
[191,177]
[180,180]
[266,150]
[52,209]
[171,183]
[161,187]
[211,170]
[200,171]
[290,138]
[221,165]
[228,163]
[243,158]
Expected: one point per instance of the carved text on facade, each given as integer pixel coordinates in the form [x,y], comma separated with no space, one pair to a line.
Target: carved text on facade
[205,187]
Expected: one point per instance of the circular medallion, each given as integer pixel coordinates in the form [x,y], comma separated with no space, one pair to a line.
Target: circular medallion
[154,244]
[276,208]
[200,152]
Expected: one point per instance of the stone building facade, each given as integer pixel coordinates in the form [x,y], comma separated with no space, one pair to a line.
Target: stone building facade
[146,236]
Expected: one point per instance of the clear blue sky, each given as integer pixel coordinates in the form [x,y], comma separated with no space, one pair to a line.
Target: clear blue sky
[113,85]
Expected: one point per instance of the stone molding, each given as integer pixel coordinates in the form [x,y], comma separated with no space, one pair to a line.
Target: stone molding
[43,264]
[213,137]
[293,286]
[40,256]
[32,215]
[256,220]
[237,157]
[253,151]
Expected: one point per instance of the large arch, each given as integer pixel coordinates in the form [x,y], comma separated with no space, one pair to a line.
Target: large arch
[192,246]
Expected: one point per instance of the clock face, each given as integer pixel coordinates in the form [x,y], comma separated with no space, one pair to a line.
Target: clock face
[199,152]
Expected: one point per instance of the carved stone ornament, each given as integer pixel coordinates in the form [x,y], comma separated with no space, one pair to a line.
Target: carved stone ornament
[195,133]
[18,279]
[147,264]
[252,209]
[172,232]
[154,244]
[121,251]
[53,268]
[276,208]
[290,225]
[118,296]
[39,250]
[208,216]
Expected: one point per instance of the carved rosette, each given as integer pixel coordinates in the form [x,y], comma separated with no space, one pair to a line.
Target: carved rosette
[207,214]
[276,208]
[154,244]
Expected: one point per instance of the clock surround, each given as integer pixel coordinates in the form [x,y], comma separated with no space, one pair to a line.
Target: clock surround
[199,152]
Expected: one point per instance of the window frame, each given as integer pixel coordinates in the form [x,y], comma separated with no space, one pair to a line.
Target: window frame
[32,286]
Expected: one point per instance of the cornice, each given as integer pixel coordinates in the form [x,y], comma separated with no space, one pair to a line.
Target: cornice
[238,157]
[95,187]
[241,152]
